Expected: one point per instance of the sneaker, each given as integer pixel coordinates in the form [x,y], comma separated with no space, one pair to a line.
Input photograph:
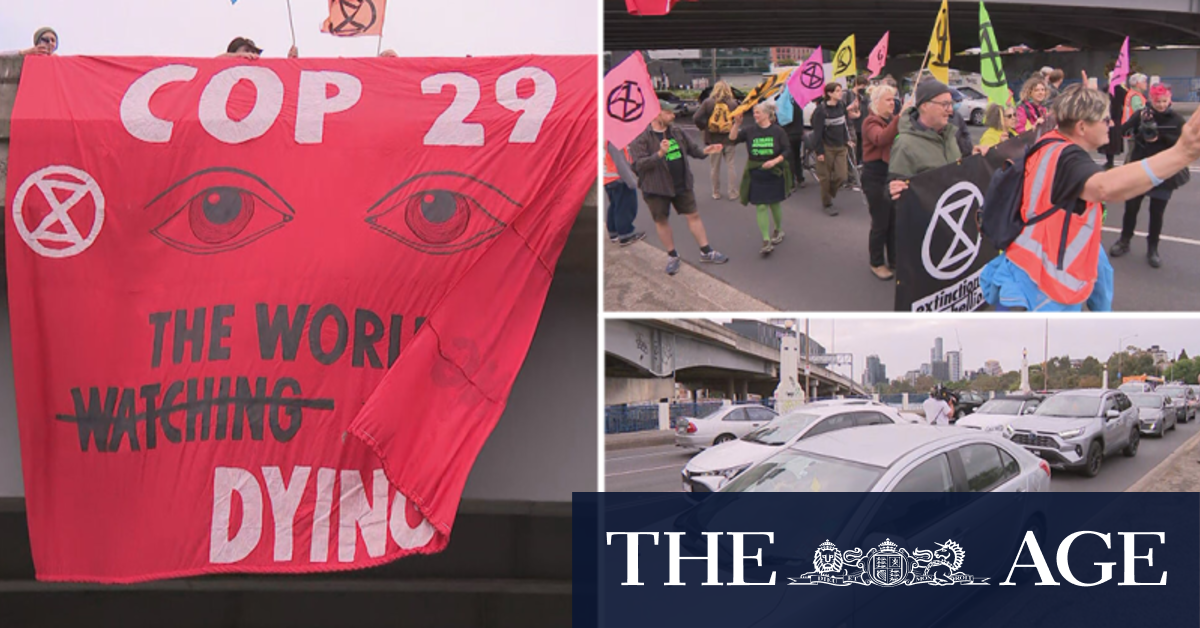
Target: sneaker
[803,183]
[673,265]
[766,248]
[631,238]
[778,238]
[715,257]
[1119,248]
[612,237]
[1153,258]
[733,196]
[716,196]
[830,210]
[882,272]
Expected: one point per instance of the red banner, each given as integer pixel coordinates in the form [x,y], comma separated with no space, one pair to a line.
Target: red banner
[266,314]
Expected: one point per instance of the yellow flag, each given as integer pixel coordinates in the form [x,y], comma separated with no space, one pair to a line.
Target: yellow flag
[845,60]
[763,91]
[939,45]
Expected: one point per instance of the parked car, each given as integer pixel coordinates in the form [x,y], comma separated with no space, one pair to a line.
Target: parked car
[708,470]
[1077,429]
[1155,413]
[995,414]
[974,104]
[686,107]
[901,458]
[1184,399]
[725,424]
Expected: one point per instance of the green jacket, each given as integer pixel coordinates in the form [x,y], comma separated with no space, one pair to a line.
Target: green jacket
[919,149]
[784,169]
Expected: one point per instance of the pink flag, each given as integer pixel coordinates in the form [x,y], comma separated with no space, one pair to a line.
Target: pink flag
[878,55]
[1121,72]
[650,7]
[629,101]
[808,82]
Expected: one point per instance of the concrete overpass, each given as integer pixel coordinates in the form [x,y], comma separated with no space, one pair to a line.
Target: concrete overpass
[645,358]
[1041,24]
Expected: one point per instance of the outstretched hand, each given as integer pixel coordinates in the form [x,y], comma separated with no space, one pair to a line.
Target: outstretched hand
[713,149]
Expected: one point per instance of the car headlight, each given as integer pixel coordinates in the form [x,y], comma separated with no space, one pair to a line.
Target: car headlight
[1071,433]
[728,474]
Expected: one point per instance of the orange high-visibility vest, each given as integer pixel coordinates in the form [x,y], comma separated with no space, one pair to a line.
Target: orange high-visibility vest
[1128,111]
[1064,270]
[610,168]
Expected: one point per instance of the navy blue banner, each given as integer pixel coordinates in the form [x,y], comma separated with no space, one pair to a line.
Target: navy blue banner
[853,560]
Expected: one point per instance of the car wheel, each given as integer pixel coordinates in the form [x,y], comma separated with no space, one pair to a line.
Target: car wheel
[1095,457]
[1131,449]
[723,438]
[977,117]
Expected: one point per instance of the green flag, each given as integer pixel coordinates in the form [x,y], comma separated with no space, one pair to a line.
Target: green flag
[995,84]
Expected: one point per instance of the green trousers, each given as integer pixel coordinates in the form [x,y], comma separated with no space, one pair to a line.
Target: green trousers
[764,221]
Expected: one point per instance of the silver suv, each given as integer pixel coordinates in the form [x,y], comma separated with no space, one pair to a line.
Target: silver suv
[1077,429]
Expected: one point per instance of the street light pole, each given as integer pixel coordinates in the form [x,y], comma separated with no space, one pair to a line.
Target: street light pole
[1121,354]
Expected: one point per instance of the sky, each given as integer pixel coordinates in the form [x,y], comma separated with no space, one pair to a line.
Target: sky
[903,344]
[203,28]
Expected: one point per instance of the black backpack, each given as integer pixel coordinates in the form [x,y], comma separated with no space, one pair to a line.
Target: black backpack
[1002,220]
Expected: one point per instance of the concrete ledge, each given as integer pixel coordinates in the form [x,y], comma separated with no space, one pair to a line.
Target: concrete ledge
[635,281]
[631,440]
[1179,473]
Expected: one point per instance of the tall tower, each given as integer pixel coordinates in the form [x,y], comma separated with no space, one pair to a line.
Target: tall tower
[936,355]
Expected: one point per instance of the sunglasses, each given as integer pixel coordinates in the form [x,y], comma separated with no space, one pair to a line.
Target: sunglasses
[1010,115]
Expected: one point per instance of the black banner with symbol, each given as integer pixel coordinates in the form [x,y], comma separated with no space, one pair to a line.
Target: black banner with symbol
[940,252]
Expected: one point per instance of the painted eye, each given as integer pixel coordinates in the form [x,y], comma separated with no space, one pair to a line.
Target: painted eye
[441,213]
[219,209]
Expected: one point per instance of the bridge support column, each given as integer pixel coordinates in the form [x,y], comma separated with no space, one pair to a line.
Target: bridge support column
[664,416]
[904,401]
[732,389]
[745,389]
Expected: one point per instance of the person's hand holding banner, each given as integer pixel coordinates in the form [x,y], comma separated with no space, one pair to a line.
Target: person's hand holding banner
[896,188]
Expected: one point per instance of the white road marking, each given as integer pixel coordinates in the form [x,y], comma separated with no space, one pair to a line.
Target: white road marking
[670,466]
[1165,237]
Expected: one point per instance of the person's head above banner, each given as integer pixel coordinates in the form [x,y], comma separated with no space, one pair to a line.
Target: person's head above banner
[45,42]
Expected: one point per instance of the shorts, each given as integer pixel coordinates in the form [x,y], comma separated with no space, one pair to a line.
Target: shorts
[660,206]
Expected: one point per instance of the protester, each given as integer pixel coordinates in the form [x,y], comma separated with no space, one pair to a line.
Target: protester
[666,180]
[1032,110]
[795,135]
[830,139]
[620,184]
[879,131]
[1154,129]
[1135,96]
[1038,272]
[716,131]
[1116,140]
[962,134]
[1054,82]
[768,176]
[998,121]
[45,42]
[937,410]
[863,103]
[926,139]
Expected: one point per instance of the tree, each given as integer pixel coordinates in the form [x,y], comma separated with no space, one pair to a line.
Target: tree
[1183,354]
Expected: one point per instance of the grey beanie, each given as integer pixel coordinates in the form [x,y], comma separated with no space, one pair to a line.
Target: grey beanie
[930,89]
[37,35]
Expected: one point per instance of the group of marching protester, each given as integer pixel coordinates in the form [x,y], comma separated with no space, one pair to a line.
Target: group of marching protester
[1051,261]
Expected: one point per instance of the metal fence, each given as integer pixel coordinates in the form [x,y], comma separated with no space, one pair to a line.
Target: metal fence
[641,417]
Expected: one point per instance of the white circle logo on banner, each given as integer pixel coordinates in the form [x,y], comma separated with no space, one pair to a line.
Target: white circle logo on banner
[78,185]
[953,209]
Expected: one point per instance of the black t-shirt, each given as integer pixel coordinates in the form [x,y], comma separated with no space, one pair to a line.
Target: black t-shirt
[1075,167]
[763,144]
[674,161]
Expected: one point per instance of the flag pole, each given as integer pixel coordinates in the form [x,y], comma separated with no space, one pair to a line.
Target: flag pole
[291,22]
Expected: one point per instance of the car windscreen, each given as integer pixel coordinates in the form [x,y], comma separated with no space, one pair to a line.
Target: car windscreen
[800,472]
[1001,406]
[781,430]
[1172,391]
[1132,388]
[715,414]
[1147,400]
[1069,406]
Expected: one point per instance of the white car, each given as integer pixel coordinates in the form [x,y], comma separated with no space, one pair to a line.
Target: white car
[995,414]
[974,105]
[900,458]
[725,424]
[707,471]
